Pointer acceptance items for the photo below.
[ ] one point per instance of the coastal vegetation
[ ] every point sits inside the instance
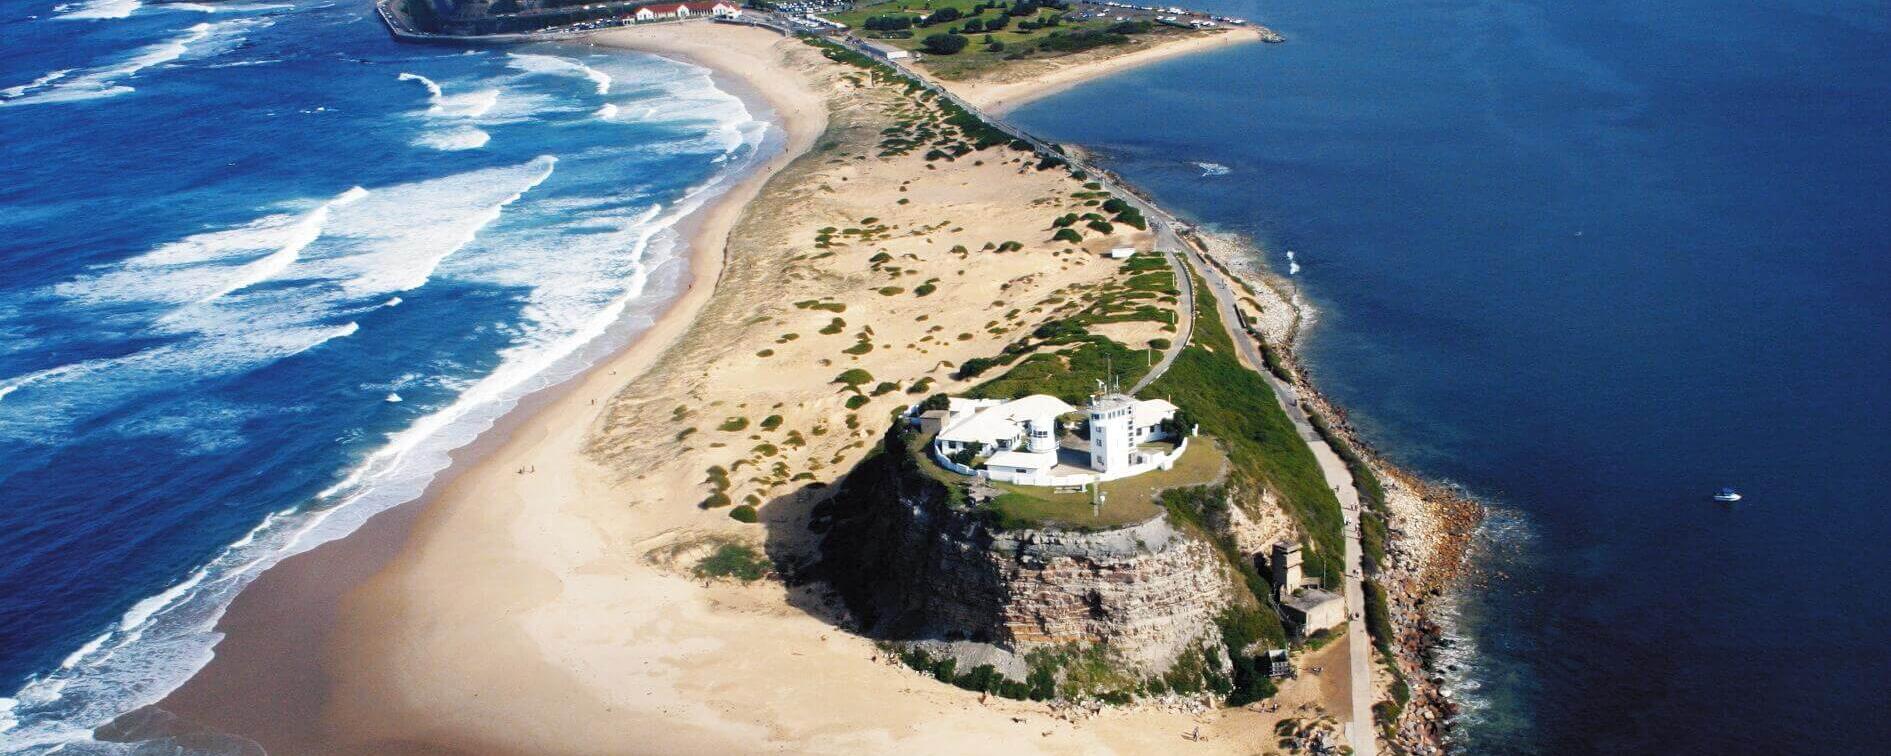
(1005, 31)
(1236, 405)
(731, 560)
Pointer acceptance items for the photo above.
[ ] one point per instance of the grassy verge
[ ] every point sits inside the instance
(1237, 405)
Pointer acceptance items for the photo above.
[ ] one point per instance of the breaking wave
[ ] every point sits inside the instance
(559, 66)
(93, 10)
(104, 81)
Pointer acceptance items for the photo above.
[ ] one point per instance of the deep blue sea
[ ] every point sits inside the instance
(260, 269)
(1592, 261)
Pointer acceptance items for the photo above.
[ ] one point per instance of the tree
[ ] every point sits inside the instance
(941, 16)
(889, 23)
(945, 44)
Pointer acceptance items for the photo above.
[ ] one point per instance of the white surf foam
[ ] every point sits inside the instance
(607, 111)
(457, 109)
(225, 7)
(454, 139)
(433, 89)
(104, 81)
(228, 301)
(1213, 169)
(559, 66)
(93, 10)
(392, 239)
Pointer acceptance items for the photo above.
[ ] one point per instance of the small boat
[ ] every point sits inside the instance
(1727, 495)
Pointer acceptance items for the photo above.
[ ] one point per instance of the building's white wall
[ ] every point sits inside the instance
(1023, 478)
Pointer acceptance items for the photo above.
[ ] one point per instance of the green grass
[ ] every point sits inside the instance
(1126, 501)
(1062, 358)
(1237, 406)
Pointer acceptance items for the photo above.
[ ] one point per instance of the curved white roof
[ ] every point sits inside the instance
(1005, 421)
(1151, 411)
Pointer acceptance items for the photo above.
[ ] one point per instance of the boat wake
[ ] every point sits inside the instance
(1213, 169)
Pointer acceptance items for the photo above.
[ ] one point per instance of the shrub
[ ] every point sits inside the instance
(733, 560)
(945, 44)
(856, 402)
(714, 500)
(935, 402)
(744, 513)
(973, 367)
(733, 424)
(1068, 235)
(1102, 227)
(835, 326)
(854, 377)
(771, 422)
(924, 289)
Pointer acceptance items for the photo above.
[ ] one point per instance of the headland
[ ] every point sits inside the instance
(645, 560)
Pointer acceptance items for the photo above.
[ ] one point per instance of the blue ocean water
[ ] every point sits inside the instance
(1592, 261)
(261, 268)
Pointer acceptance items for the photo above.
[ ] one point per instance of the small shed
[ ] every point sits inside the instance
(1313, 610)
(1278, 663)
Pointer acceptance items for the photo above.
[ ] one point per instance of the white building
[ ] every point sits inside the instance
(887, 51)
(688, 10)
(1021, 438)
(1120, 253)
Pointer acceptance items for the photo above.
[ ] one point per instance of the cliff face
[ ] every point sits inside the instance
(914, 566)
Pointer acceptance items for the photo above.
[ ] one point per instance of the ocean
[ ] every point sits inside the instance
(1590, 261)
(261, 268)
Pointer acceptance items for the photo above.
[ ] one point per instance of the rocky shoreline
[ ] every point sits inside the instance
(1430, 526)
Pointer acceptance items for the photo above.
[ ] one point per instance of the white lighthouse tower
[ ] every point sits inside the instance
(1037, 435)
(1110, 438)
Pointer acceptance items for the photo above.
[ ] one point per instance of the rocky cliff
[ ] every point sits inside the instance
(915, 562)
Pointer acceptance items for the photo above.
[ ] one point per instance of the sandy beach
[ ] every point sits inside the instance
(1035, 80)
(539, 599)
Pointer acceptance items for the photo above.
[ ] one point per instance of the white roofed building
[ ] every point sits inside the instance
(1020, 441)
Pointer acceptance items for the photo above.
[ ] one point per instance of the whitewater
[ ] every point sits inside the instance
(244, 344)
